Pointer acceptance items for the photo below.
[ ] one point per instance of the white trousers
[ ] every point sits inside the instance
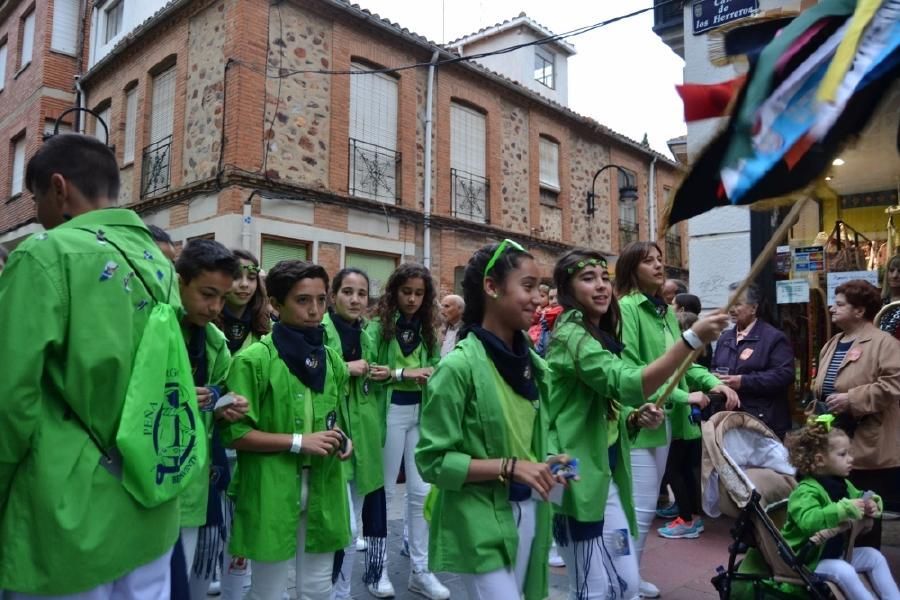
(846, 575)
(151, 581)
(508, 582)
(607, 567)
(345, 579)
(270, 579)
(400, 445)
(648, 466)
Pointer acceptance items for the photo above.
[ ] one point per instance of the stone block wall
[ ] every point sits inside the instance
(515, 202)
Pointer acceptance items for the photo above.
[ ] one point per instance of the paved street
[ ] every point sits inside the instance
(682, 569)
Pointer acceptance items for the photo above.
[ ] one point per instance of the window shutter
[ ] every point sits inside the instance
(467, 140)
(50, 127)
(130, 124)
(373, 108)
(275, 250)
(99, 132)
(2, 65)
(18, 167)
(27, 40)
(162, 119)
(377, 266)
(549, 164)
(65, 26)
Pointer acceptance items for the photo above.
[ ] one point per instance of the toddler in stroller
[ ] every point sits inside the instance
(748, 475)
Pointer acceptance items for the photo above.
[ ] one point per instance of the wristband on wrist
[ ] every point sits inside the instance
(296, 443)
(691, 338)
(398, 374)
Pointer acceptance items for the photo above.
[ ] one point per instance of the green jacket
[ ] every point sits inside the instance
(387, 352)
(644, 334)
(472, 524)
(195, 497)
(584, 377)
(364, 420)
(268, 499)
(70, 325)
(811, 510)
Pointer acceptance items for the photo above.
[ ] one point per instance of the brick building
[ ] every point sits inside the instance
(225, 125)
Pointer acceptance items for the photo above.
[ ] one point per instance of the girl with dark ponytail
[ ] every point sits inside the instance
(483, 436)
(589, 420)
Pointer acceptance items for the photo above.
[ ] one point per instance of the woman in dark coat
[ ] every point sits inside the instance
(760, 363)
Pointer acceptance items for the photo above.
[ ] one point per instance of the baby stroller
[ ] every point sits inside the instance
(747, 476)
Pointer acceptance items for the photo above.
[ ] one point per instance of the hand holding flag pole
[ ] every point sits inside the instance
(758, 265)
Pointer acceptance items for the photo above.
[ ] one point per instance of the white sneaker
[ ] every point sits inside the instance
(383, 588)
(426, 584)
(648, 590)
(361, 544)
(555, 560)
(215, 588)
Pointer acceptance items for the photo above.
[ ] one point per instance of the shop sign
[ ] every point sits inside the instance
(709, 14)
(836, 279)
(792, 291)
(809, 259)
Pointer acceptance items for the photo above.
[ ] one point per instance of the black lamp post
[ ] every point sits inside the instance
(627, 192)
(77, 109)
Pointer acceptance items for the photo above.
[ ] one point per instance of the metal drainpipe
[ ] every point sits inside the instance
(428, 126)
(651, 199)
(246, 219)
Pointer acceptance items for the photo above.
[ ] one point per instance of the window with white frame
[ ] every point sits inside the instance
(543, 67)
(131, 100)
(468, 185)
(549, 175)
(27, 38)
(112, 20)
(3, 64)
(155, 171)
(64, 37)
(18, 166)
(50, 127)
(99, 132)
(374, 159)
(629, 227)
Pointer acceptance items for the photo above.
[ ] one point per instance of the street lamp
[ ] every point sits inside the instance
(627, 192)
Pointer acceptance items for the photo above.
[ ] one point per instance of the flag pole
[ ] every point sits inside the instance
(758, 265)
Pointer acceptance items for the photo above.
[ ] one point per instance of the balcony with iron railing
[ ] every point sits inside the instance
(470, 196)
(629, 231)
(668, 24)
(374, 172)
(673, 250)
(156, 167)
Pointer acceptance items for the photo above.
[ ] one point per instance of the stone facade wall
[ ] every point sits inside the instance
(298, 106)
(205, 93)
(592, 232)
(551, 225)
(515, 203)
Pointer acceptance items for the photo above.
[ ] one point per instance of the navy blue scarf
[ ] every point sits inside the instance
(659, 304)
(350, 334)
(514, 365)
(236, 328)
(408, 333)
(303, 350)
(836, 487)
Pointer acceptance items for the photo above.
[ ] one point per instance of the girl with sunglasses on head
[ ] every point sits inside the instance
(649, 328)
(406, 350)
(484, 436)
(589, 420)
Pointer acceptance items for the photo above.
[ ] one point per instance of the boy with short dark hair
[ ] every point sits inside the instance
(206, 271)
(164, 241)
(291, 504)
(72, 314)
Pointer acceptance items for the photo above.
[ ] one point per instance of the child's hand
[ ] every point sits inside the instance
(561, 459)
(321, 443)
(235, 411)
(379, 372)
(204, 397)
(871, 508)
(649, 416)
(862, 505)
(358, 368)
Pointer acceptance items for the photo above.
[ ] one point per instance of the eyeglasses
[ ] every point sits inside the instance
(584, 263)
(507, 243)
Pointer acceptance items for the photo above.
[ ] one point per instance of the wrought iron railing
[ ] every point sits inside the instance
(628, 232)
(373, 171)
(156, 167)
(673, 250)
(470, 195)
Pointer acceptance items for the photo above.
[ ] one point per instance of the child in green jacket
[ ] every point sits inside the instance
(406, 351)
(291, 504)
(824, 499)
(483, 442)
(71, 320)
(588, 420)
(344, 326)
(206, 272)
